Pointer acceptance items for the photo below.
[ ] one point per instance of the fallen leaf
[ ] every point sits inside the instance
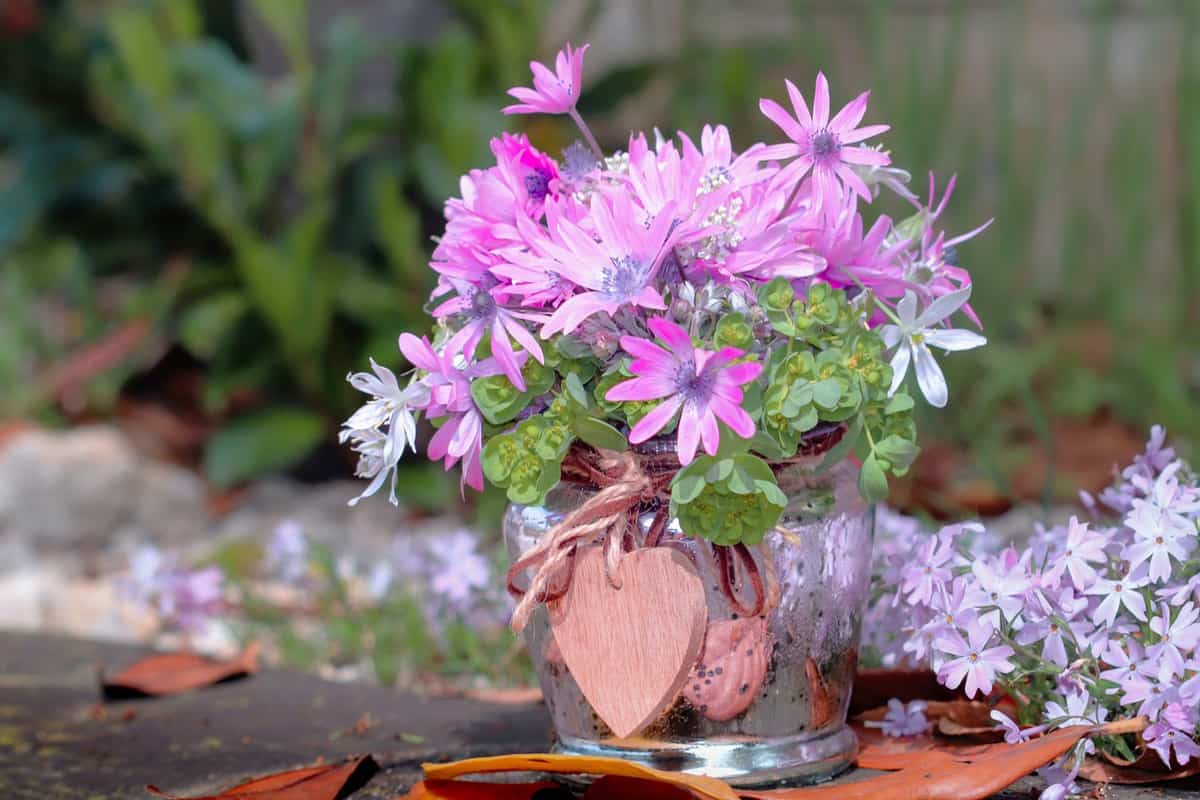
(959, 717)
(1149, 768)
(962, 774)
(874, 687)
(81, 367)
(514, 696)
(564, 764)
(478, 790)
(321, 782)
(172, 673)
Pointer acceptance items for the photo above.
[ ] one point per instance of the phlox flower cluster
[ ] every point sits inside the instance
(183, 598)
(664, 284)
(1092, 620)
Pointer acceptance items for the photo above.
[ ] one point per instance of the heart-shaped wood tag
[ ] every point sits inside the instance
(630, 649)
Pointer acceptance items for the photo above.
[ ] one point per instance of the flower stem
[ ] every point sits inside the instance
(587, 133)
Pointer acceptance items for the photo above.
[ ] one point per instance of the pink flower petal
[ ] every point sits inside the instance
(710, 433)
(732, 415)
(850, 137)
(655, 421)
(820, 106)
(850, 115)
(774, 112)
(419, 352)
(675, 337)
(689, 433)
(801, 108)
(637, 389)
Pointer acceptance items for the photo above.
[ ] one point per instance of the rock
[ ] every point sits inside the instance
(79, 490)
(365, 531)
(66, 489)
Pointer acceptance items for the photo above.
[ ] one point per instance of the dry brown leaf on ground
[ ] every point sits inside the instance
(959, 717)
(874, 687)
(322, 782)
(512, 696)
(1149, 768)
(478, 790)
(961, 774)
(580, 765)
(172, 673)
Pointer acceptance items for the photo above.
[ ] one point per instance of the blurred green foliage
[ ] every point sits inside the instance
(139, 134)
(1098, 328)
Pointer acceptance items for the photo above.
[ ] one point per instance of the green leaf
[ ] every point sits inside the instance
(843, 448)
(686, 488)
(899, 404)
(767, 447)
(898, 451)
(872, 483)
(263, 442)
(498, 399)
(733, 331)
(827, 393)
(288, 22)
(598, 433)
(576, 391)
(206, 325)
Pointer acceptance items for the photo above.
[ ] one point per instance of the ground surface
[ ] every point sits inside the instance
(57, 742)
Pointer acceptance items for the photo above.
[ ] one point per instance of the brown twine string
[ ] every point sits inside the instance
(629, 484)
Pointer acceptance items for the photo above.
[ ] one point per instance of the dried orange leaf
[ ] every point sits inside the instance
(515, 696)
(476, 790)
(1149, 768)
(874, 687)
(564, 764)
(940, 775)
(172, 673)
(322, 782)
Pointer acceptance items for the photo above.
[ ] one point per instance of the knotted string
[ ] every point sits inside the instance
(604, 518)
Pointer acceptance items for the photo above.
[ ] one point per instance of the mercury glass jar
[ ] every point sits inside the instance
(766, 701)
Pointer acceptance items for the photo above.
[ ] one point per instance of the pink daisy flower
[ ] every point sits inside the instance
(706, 385)
(449, 378)
(614, 272)
(821, 144)
(481, 314)
(553, 92)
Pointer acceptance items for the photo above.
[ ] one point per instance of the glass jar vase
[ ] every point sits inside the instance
(766, 701)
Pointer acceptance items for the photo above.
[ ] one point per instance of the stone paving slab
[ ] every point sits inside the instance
(57, 742)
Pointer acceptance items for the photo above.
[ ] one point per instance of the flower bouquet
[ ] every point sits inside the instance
(685, 365)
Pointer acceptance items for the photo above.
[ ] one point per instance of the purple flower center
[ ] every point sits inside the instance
(624, 280)
(692, 387)
(825, 144)
(537, 184)
(483, 306)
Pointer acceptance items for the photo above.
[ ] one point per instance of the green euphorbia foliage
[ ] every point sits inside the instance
(732, 500)
(527, 462)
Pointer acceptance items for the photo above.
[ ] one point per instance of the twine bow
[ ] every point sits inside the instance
(604, 517)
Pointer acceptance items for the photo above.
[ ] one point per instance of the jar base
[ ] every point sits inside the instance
(740, 762)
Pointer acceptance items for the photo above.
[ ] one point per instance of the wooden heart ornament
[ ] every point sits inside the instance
(630, 648)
